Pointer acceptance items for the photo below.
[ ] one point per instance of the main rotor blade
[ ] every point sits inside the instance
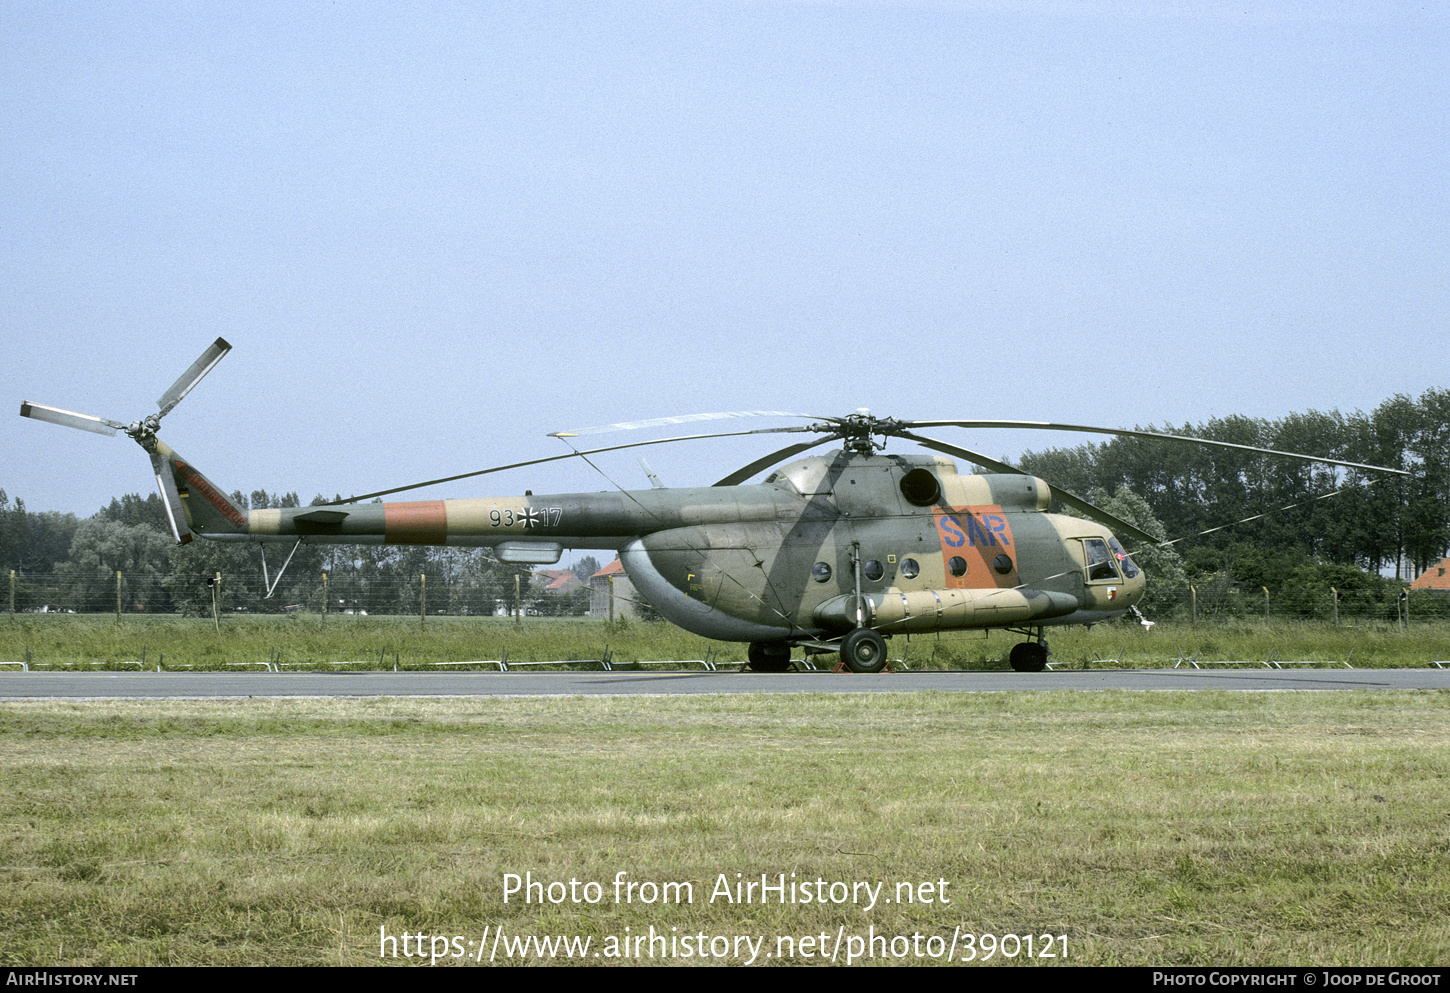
(679, 419)
(742, 474)
(192, 376)
(170, 498)
(1075, 502)
(555, 458)
(70, 418)
(1049, 426)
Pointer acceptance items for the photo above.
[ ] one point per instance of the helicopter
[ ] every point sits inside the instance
(831, 553)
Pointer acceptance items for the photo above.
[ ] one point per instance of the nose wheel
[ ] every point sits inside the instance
(863, 650)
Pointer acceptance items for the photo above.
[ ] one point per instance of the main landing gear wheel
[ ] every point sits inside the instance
(863, 650)
(1028, 657)
(768, 656)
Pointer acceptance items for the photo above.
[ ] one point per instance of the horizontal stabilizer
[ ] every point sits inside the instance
(322, 516)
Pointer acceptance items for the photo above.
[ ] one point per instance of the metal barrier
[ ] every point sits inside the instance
(1194, 661)
(1115, 659)
(1272, 662)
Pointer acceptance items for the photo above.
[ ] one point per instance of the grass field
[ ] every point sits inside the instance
(1123, 828)
(1112, 828)
(303, 640)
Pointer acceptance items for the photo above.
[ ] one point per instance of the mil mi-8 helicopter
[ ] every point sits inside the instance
(832, 553)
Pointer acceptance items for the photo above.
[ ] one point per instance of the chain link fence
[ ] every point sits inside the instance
(195, 594)
(1219, 602)
(199, 595)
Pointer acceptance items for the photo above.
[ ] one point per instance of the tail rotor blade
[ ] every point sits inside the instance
(192, 376)
(171, 498)
(70, 418)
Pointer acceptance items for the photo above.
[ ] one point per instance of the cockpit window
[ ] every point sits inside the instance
(1129, 567)
(1099, 561)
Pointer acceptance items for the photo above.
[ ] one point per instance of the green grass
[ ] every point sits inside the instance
(1148, 828)
(302, 640)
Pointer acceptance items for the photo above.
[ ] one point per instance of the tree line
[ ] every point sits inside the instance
(1237, 518)
(64, 563)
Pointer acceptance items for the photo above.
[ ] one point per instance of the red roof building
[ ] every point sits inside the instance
(1437, 577)
(612, 595)
(557, 580)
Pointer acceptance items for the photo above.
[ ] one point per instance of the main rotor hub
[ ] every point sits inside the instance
(858, 430)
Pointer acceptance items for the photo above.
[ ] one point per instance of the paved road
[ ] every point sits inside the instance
(227, 685)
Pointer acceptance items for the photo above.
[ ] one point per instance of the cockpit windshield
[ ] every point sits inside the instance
(1130, 569)
(1099, 561)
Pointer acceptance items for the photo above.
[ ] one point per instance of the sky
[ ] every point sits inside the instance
(436, 232)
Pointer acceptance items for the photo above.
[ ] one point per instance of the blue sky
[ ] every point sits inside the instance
(436, 232)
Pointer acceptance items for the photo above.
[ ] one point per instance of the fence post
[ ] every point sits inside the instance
(1335, 591)
(216, 602)
(12, 592)
(1266, 603)
(1193, 605)
(118, 596)
(324, 598)
(422, 599)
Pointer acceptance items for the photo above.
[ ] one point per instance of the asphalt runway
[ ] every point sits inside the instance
(241, 685)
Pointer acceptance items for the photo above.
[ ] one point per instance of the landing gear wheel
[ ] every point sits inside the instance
(768, 656)
(863, 650)
(1028, 657)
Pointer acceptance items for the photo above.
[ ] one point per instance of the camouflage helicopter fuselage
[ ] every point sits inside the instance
(833, 552)
(827, 544)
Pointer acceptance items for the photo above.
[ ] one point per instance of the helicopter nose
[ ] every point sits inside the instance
(1135, 587)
